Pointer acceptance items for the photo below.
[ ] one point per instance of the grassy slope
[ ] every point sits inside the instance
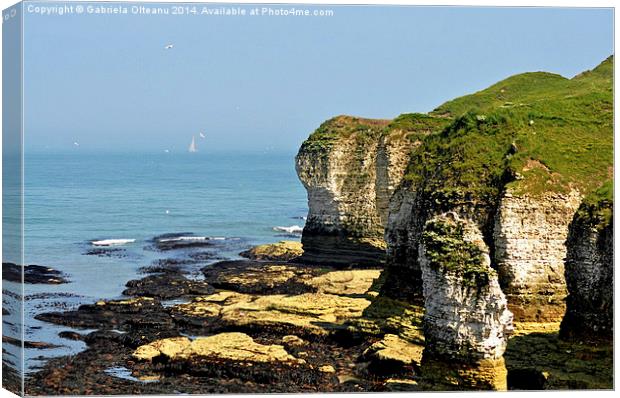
(534, 132)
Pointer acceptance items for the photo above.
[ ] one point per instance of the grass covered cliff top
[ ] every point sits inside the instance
(596, 210)
(342, 126)
(534, 133)
(413, 126)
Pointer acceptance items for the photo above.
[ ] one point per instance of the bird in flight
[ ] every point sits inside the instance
(202, 135)
(75, 143)
(168, 46)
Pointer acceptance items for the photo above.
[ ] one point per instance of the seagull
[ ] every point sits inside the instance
(76, 143)
(202, 135)
(166, 150)
(168, 46)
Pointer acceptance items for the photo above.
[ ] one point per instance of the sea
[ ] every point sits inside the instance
(73, 199)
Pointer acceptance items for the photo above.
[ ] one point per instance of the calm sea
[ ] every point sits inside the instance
(74, 198)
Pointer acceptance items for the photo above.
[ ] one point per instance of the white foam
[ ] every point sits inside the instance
(293, 229)
(112, 242)
(184, 238)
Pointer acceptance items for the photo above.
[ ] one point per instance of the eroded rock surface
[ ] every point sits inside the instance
(308, 313)
(350, 170)
(289, 342)
(227, 346)
(285, 250)
(589, 273)
(529, 239)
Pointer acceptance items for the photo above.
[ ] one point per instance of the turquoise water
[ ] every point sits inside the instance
(74, 198)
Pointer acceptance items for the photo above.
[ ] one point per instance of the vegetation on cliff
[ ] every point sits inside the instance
(446, 249)
(342, 127)
(414, 125)
(534, 133)
(596, 211)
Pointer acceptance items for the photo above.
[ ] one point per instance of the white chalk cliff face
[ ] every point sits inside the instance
(466, 314)
(527, 249)
(350, 180)
(529, 236)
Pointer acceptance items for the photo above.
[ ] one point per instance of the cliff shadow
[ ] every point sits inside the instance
(542, 361)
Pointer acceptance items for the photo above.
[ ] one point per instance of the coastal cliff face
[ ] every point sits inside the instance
(526, 235)
(529, 238)
(518, 171)
(476, 208)
(350, 168)
(589, 272)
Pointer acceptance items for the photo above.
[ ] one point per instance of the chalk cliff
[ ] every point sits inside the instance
(350, 167)
(466, 321)
(513, 162)
(493, 180)
(590, 270)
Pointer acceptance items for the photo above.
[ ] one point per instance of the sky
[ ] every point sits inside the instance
(260, 83)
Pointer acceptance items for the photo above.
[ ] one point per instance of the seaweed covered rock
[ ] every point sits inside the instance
(223, 346)
(303, 314)
(538, 359)
(32, 274)
(393, 355)
(285, 250)
(467, 321)
(256, 277)
(140, 312)
(590, 270)
(345, 282)
(166, 286)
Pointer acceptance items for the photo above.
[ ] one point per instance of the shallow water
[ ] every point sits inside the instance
(73, 199)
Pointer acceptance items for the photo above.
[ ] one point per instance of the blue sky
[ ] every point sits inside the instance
(253, 83)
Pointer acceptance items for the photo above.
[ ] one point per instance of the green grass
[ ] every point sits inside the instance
(417, 125)
(340, 127)
(414, 125)
(534, 133)
(596, 211)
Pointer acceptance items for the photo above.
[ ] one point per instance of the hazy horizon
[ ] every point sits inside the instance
(265, 83)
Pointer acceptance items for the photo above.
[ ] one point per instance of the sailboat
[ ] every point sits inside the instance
(192, 146)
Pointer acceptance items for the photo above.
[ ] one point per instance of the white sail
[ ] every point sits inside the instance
(192, 146)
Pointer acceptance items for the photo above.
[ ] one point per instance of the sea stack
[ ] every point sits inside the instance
(466, 321)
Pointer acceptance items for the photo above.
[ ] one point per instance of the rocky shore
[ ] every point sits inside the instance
(248, 326)
(273, 326)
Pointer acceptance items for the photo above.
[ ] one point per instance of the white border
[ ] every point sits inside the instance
(490, 3)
